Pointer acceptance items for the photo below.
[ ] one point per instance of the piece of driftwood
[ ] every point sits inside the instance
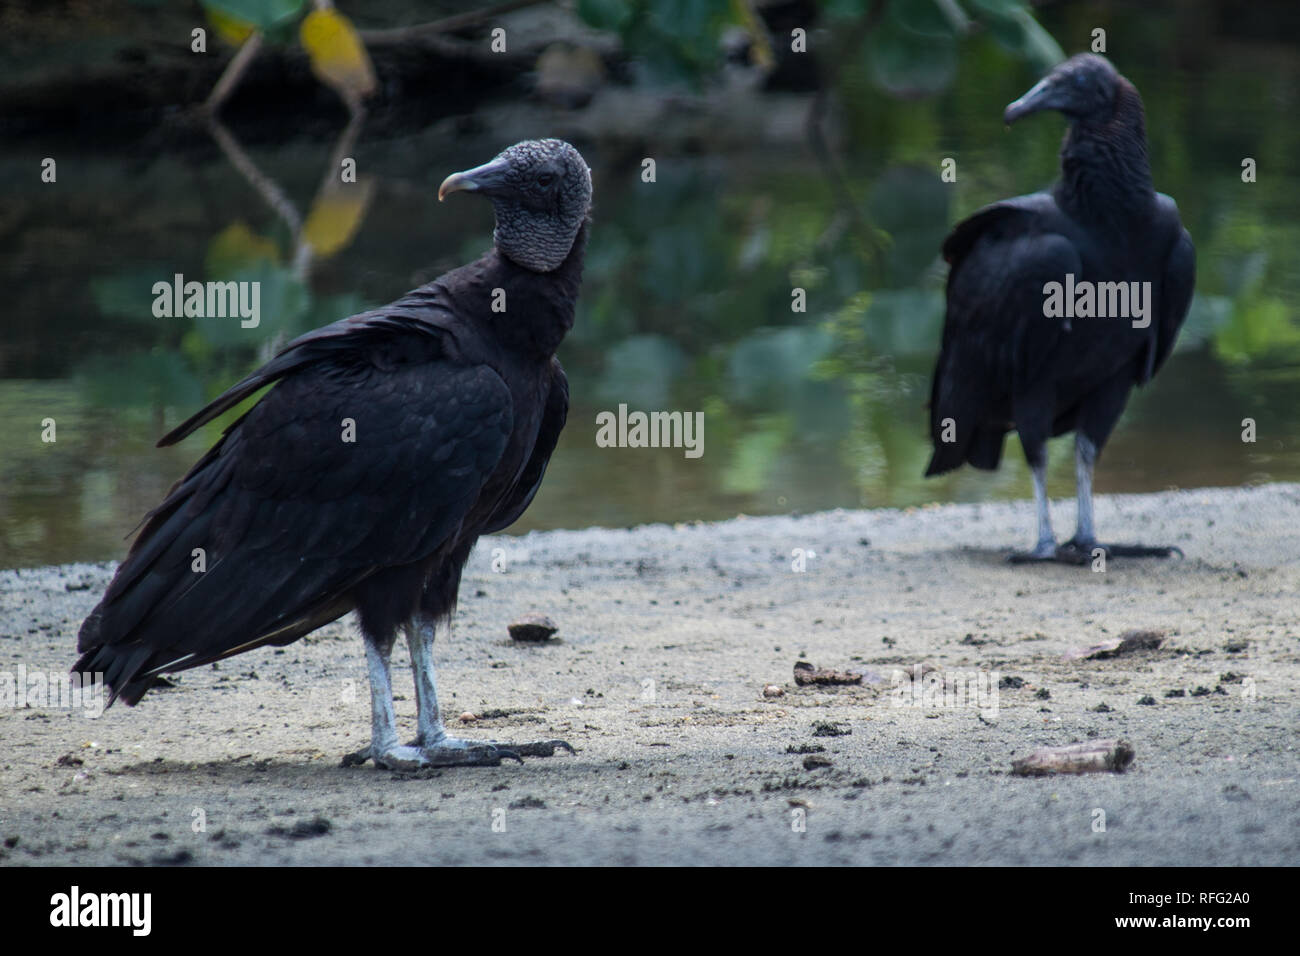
(1126, 643)
(1091, 756)
(805, 672)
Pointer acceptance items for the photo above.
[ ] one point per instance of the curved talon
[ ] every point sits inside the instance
(1041, 554)
(1080, 552)
(487, 754)
(1085, 548)
(1072, 553)
(355, 759)
(539, 748)
(1144, 551)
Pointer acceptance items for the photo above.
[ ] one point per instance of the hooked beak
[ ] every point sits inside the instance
(1044, 95)
(482, 179)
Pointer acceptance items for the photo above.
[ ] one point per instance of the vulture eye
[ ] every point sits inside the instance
(545, 179)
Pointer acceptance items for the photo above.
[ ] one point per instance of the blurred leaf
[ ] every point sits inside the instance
(1257, 328)
(262, 14)
(922, 16)
(605, 14)
(129, 295)
(669, 40)
(1011, 23)
(282, 298)
(760, 44)
(844, 9)
(335, 216)
(230, 29)
(235, 248)
(906, 62)
(338, 57)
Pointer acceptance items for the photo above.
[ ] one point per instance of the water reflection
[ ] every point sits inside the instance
(688, 304)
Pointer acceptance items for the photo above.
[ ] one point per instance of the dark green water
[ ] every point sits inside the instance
(686, 304)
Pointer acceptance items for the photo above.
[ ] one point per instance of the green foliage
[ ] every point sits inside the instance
(1260, 326)
(265, 15)
(128, 294)
(912, 51)
(614, 15)
(1012, 24)
(673, 40)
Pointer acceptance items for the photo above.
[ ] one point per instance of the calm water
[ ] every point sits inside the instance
(686, 304)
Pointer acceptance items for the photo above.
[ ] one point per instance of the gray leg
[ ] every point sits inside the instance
(1085, 458)
(1080, 548)
(1046, 539)
(1045, 549)
(384, 748)
(433, 738)
(433, 747)
(434, 741)
(419, 638)
(383, 720)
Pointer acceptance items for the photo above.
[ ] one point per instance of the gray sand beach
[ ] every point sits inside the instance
(667, 638)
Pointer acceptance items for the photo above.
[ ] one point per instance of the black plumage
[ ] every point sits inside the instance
(1008, 362)
(453, 400)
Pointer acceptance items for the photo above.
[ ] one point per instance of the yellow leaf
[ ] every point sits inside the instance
(231, 29)
(760, 49)
(335, 217)
(237, 247)
(338, 57)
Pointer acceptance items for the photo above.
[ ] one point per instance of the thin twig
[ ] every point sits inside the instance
(266, 187)
(233, 73)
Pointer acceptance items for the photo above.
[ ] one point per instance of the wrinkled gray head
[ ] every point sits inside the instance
(541, 191)
(1083, 88)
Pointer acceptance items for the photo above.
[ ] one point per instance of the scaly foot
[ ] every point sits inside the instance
(1078, 551)
(1045, 550)
(452, 752)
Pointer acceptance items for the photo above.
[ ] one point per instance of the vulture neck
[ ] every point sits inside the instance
(539, 305)
(1105, 172)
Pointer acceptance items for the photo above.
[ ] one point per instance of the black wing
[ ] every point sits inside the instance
(290, 515)
(1176, 284)
(553, 419)
(995, 337)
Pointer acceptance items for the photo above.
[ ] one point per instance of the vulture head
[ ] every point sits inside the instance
(541, 191)
(1083, 88)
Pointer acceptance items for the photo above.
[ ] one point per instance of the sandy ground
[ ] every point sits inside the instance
(667, 637)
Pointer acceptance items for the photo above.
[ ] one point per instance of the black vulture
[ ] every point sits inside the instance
(390, 442)
(1060, 302)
